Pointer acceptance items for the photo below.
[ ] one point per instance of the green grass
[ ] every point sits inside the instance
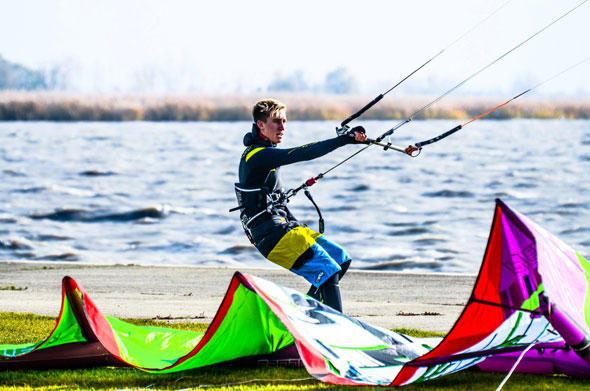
(218, 378)
(18, 328)
(22, 328)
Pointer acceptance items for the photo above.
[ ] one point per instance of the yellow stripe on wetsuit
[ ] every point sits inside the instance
(292, 245)
(252, 152)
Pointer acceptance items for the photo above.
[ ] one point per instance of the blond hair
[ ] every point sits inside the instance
(266, 108)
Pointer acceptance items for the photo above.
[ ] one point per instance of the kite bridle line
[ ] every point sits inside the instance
(412, 149)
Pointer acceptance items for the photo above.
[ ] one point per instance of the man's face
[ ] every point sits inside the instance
(274, 127)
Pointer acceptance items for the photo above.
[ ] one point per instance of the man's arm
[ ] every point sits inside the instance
(270, 158)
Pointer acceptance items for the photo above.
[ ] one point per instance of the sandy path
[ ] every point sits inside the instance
(389, 299)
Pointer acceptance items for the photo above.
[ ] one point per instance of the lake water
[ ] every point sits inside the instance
(159, 193)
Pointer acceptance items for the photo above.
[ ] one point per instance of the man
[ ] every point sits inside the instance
(270, 226)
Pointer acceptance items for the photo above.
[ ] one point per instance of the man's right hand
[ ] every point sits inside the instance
(359, 134)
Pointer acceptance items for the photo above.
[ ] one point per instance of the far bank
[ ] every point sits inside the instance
(63, 106)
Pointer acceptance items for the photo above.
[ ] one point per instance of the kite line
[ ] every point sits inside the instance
(411, 149)
(343, 126)
(418, 146)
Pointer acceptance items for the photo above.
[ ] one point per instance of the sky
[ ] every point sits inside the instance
(241, 46)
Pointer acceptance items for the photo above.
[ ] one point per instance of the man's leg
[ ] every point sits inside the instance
(323, 273)
(315, 293)
(317, 266)
(344, 268)
(328, 293)
(330, 290)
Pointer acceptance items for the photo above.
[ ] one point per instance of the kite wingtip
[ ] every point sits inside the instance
(500, 203)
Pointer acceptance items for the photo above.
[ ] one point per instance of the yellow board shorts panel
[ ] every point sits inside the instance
(292, 245)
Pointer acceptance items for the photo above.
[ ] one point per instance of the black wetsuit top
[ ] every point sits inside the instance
(259, 167)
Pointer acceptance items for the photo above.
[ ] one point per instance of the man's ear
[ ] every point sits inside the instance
(260, 124)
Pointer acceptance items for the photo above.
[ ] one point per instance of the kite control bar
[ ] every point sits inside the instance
(418, 146)
(410, 150)
(345, 131)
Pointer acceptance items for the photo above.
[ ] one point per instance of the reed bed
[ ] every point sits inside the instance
(56, 106)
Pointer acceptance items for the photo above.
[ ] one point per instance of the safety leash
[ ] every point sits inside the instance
(321, 219)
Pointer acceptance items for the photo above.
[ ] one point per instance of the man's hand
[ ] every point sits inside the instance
(356, 135)
(360, 137)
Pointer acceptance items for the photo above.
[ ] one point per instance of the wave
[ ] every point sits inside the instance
(14, 173)
(238, 249)
(450, 194)
(405, 265)
(337, 208)
(93, 173)
(8, 220)
(576, 230)
(409, 223)
(59, 257)
(360, 188)
(81, 215)
(526, 185)
(226, 230)
(429, 241)
(50, 238)
(54, 188)
(410, 231)
(14, 244)
(26, 190)
(573, 205)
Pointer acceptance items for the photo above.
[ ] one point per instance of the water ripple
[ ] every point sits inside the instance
(449, 194)
(81, 215)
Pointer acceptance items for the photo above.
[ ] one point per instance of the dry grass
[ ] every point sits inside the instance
(55, 106)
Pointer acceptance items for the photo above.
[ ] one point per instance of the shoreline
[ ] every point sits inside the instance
(193, 293)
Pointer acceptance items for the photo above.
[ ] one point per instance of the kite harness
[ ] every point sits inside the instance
(255, 202)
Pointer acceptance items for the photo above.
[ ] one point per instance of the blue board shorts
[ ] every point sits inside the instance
(326, 261)
(299, 249)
